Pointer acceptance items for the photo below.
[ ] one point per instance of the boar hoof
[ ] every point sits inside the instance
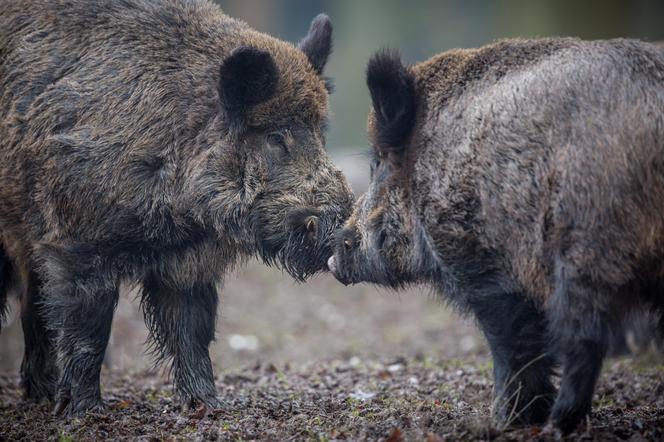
(190, 405)
(61, 405)
(551, 431)
(535, 411)
(65, 406)
(568, 418)
(37, 391)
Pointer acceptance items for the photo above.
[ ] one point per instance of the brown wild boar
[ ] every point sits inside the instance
(525, 181)
(156, 141)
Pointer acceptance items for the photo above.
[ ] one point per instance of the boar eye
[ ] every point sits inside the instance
(278, 140)
(374, 165)
(377, 159)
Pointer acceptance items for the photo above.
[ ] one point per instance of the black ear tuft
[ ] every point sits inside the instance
(392, 89)
(249, 76)
(317, 45)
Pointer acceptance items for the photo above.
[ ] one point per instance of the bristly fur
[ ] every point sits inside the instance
(151, 158)
(5, 283)
(317, 45)
(531, 198)
(248, 77)
(392, 89)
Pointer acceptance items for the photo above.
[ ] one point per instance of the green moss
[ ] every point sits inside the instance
(65, 437)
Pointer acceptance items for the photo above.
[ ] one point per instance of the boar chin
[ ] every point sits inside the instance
(301, 245)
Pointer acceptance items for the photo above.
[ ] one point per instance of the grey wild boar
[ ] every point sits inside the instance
(523, 180)
(160, 142)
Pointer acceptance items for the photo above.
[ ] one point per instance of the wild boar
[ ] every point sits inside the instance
(155, 141)
(524, 180)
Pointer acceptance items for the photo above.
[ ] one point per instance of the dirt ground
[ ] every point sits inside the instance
(401, 399)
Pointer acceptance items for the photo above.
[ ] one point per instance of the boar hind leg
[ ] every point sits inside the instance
(581, 333)
(79, 302)
(5, 282)
(523, 366)
(38, 369)
(181, 324)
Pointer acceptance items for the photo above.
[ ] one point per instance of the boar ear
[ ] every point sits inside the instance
(249, 76)
(392, 89)
(317, 45)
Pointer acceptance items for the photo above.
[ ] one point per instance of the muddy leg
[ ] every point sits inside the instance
(523, 366)
(581, 333)
(83, 328)
(38, 369)
(79, 302)
(659, 325)
(181, 323)
(5, 283)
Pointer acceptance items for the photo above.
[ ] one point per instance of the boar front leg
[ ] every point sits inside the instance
(38, 369)
(517, 335)
(181, 324)
(5, 281)
(79, 301)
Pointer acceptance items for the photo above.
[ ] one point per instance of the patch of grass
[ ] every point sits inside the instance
(605, 401)
(453, 364)
(486, 368)
(65, 437)
(151, 396)
(648, 362)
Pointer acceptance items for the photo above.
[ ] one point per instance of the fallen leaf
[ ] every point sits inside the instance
(124, 404)
(395, 436)
(432, 437)
(199, 413)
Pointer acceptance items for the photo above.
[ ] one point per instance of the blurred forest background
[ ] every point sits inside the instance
(264, 315)
(422, 28)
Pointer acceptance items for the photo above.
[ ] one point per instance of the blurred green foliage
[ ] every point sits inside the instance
(421, 28)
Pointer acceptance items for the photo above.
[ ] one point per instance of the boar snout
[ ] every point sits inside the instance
(339, 263)
(331, 265)
(334, 269)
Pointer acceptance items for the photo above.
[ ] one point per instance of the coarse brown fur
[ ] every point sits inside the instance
(160, 142)
(528, 191)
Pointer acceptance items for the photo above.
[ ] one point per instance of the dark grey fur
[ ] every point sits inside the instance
(121, 161)
(530, 194)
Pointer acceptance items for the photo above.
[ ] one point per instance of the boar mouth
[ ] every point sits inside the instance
(300, 244)
(350, 270)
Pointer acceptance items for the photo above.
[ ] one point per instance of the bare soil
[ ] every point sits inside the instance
(401, 399)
